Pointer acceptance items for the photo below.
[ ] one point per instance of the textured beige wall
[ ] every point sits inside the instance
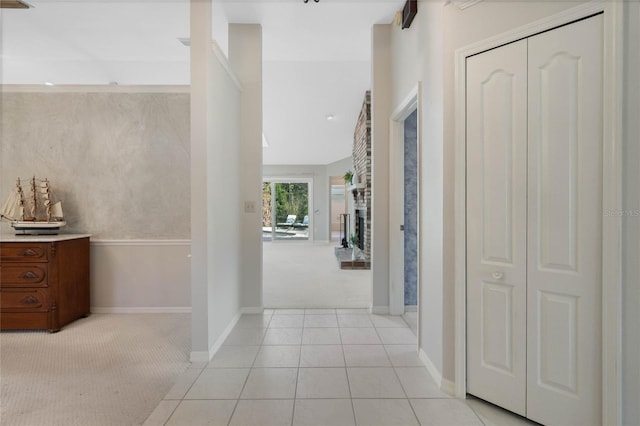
(118, 161)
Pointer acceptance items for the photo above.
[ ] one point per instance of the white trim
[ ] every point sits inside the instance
(222, 60)
(140, 242)
(431, 368)
(410, 103)
(90, 88)
(202, 356)
(379, 310)
(464, 4)
(611, 261)
(253, 310)
(448, 387)
(141, 310)
(411, 308)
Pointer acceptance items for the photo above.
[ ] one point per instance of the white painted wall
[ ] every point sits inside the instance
(215, 182)
(425, 52)
(140, 276)
(380, 114)
(631, 221)
(245, 56)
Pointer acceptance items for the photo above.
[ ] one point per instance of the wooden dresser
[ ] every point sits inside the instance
(44, 281)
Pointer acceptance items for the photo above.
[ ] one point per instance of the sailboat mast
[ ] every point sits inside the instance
(34, 201)
(21, 196)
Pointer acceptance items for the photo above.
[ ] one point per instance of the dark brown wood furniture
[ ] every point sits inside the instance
(44, 281)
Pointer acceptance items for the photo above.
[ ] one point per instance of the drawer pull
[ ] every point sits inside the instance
(29, 252)
(29, 300)
(29, 275)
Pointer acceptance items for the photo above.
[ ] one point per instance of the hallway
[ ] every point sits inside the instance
(317, 367)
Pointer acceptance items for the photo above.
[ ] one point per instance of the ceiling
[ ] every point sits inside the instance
(316, 58)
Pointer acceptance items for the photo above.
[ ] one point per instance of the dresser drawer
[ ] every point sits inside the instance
(23, 275)
(31, 300)
(23, 252)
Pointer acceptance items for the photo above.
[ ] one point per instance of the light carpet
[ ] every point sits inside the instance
(306, 275)
(105, 369)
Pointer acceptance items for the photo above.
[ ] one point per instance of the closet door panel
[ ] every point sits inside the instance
(564, 277)
(496, 226)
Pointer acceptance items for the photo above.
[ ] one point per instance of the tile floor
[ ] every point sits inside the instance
(325, 367)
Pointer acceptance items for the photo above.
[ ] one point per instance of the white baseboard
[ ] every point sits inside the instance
(253, 310)
(380, 310)
(142, 310)
(203, 356)
(448, 387)
(411, 308)
(431, 368)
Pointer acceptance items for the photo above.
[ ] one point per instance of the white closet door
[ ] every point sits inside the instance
(496, 225)
(564, 277)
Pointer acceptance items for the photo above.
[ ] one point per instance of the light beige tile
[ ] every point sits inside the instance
(197, 365)
(418, 383)
(321, 320)
(322, 356)
(271, 383)
(319, 311)
(359, 336)
(491, 415)
(283, 336)
(288, 312)
(322, 383)
(366, 356)
(263, 413)
(386, 321)
(234, 357)
(321, 336)
(161, 413)
(354, 320)
(287, 321)
(183, 384)
(384, 412)
(374, 383)
(323, 412)
(397, 336)
(253, 320)
(218, 383)
(352, 311)
(198, 413)
(444, 412)
(278, 356)
(404, 355)
(245, 336)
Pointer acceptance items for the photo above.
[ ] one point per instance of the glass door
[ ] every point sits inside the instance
(285, 211)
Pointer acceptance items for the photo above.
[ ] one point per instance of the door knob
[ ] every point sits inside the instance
(497, 275)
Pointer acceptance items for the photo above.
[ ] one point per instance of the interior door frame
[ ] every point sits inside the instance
(611, 187)
(411, 103)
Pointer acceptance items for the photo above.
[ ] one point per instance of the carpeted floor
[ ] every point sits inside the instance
(106, 369)
(306, 275)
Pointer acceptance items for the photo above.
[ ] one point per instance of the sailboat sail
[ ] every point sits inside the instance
(45, 212)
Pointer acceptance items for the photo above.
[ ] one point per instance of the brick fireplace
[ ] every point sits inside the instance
(362, 165)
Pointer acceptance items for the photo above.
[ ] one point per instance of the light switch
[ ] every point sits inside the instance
(249, 207)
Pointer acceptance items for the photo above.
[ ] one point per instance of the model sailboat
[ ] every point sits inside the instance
(37, 213)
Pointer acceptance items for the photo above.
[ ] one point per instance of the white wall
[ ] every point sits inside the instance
(245, 56)
(140, 276)
(425, 52)
(631, 222)
(380, 114)
(118, 158)
(215, 181)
